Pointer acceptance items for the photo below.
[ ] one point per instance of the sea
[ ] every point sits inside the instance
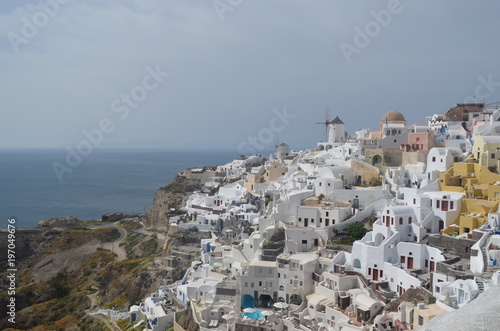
(105, 181)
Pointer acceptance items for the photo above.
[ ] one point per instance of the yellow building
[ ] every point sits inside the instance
(481, 189)
(486, 151)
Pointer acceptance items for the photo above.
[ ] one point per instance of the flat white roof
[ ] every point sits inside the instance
(270, 264)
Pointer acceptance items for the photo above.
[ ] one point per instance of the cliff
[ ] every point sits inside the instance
(169, 200)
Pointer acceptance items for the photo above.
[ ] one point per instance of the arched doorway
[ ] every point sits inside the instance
(265, 300)
(440, 225)
(379, 238)
(376, 159)
(247, 301)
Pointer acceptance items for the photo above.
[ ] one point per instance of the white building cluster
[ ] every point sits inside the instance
(276, 259)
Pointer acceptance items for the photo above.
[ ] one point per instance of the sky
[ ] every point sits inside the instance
(234, 74)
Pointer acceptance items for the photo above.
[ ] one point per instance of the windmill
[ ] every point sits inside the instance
(326, 122)
(275, 146)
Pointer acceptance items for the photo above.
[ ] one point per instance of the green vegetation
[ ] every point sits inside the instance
(78, 238)
(376, 181)
(356, 230)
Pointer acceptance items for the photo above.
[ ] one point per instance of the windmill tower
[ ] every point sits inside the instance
(334, 130)
(279, 149)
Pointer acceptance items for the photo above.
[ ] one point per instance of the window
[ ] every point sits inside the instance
(426, 263)
(369, 271)
(409, 220)
(400, 220)
(403, 259)
(327, 214)
(260, 283)
(320, 220)
(251, 284)
(438, 203)
(433, 159)
(300, 219)
(492, 155)
(420, 320)
(451, 205)
(414, 201)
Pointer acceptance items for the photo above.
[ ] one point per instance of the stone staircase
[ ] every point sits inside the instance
(372, 294)
(485, 253)
(274, 246)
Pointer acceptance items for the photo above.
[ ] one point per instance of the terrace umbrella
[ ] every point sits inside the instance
(267, 313)
(249, 310)
(281, 305)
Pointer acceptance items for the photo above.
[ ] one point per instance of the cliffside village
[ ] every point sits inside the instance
(431, 190)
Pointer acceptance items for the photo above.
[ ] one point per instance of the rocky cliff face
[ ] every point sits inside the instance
(169, 200)
(159, 212)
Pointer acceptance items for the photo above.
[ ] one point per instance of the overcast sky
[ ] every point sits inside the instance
(65, 68)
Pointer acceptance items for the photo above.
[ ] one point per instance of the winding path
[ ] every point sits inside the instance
(114, 246)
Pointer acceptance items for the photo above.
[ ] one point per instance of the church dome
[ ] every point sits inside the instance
(393, 116)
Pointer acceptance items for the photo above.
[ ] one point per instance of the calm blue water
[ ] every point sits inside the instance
(257, 315)
(106, 181)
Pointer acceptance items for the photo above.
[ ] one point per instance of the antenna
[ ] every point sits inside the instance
(326, 122)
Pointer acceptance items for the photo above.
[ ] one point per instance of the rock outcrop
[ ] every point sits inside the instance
(169, 200)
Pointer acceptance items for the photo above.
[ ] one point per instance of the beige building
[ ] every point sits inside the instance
(424, 313)
(486, 151)
(264, 174)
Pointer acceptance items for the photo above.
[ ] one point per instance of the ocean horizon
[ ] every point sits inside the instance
(107, 180)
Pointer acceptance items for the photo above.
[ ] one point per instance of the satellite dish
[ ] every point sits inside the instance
(472, 174)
